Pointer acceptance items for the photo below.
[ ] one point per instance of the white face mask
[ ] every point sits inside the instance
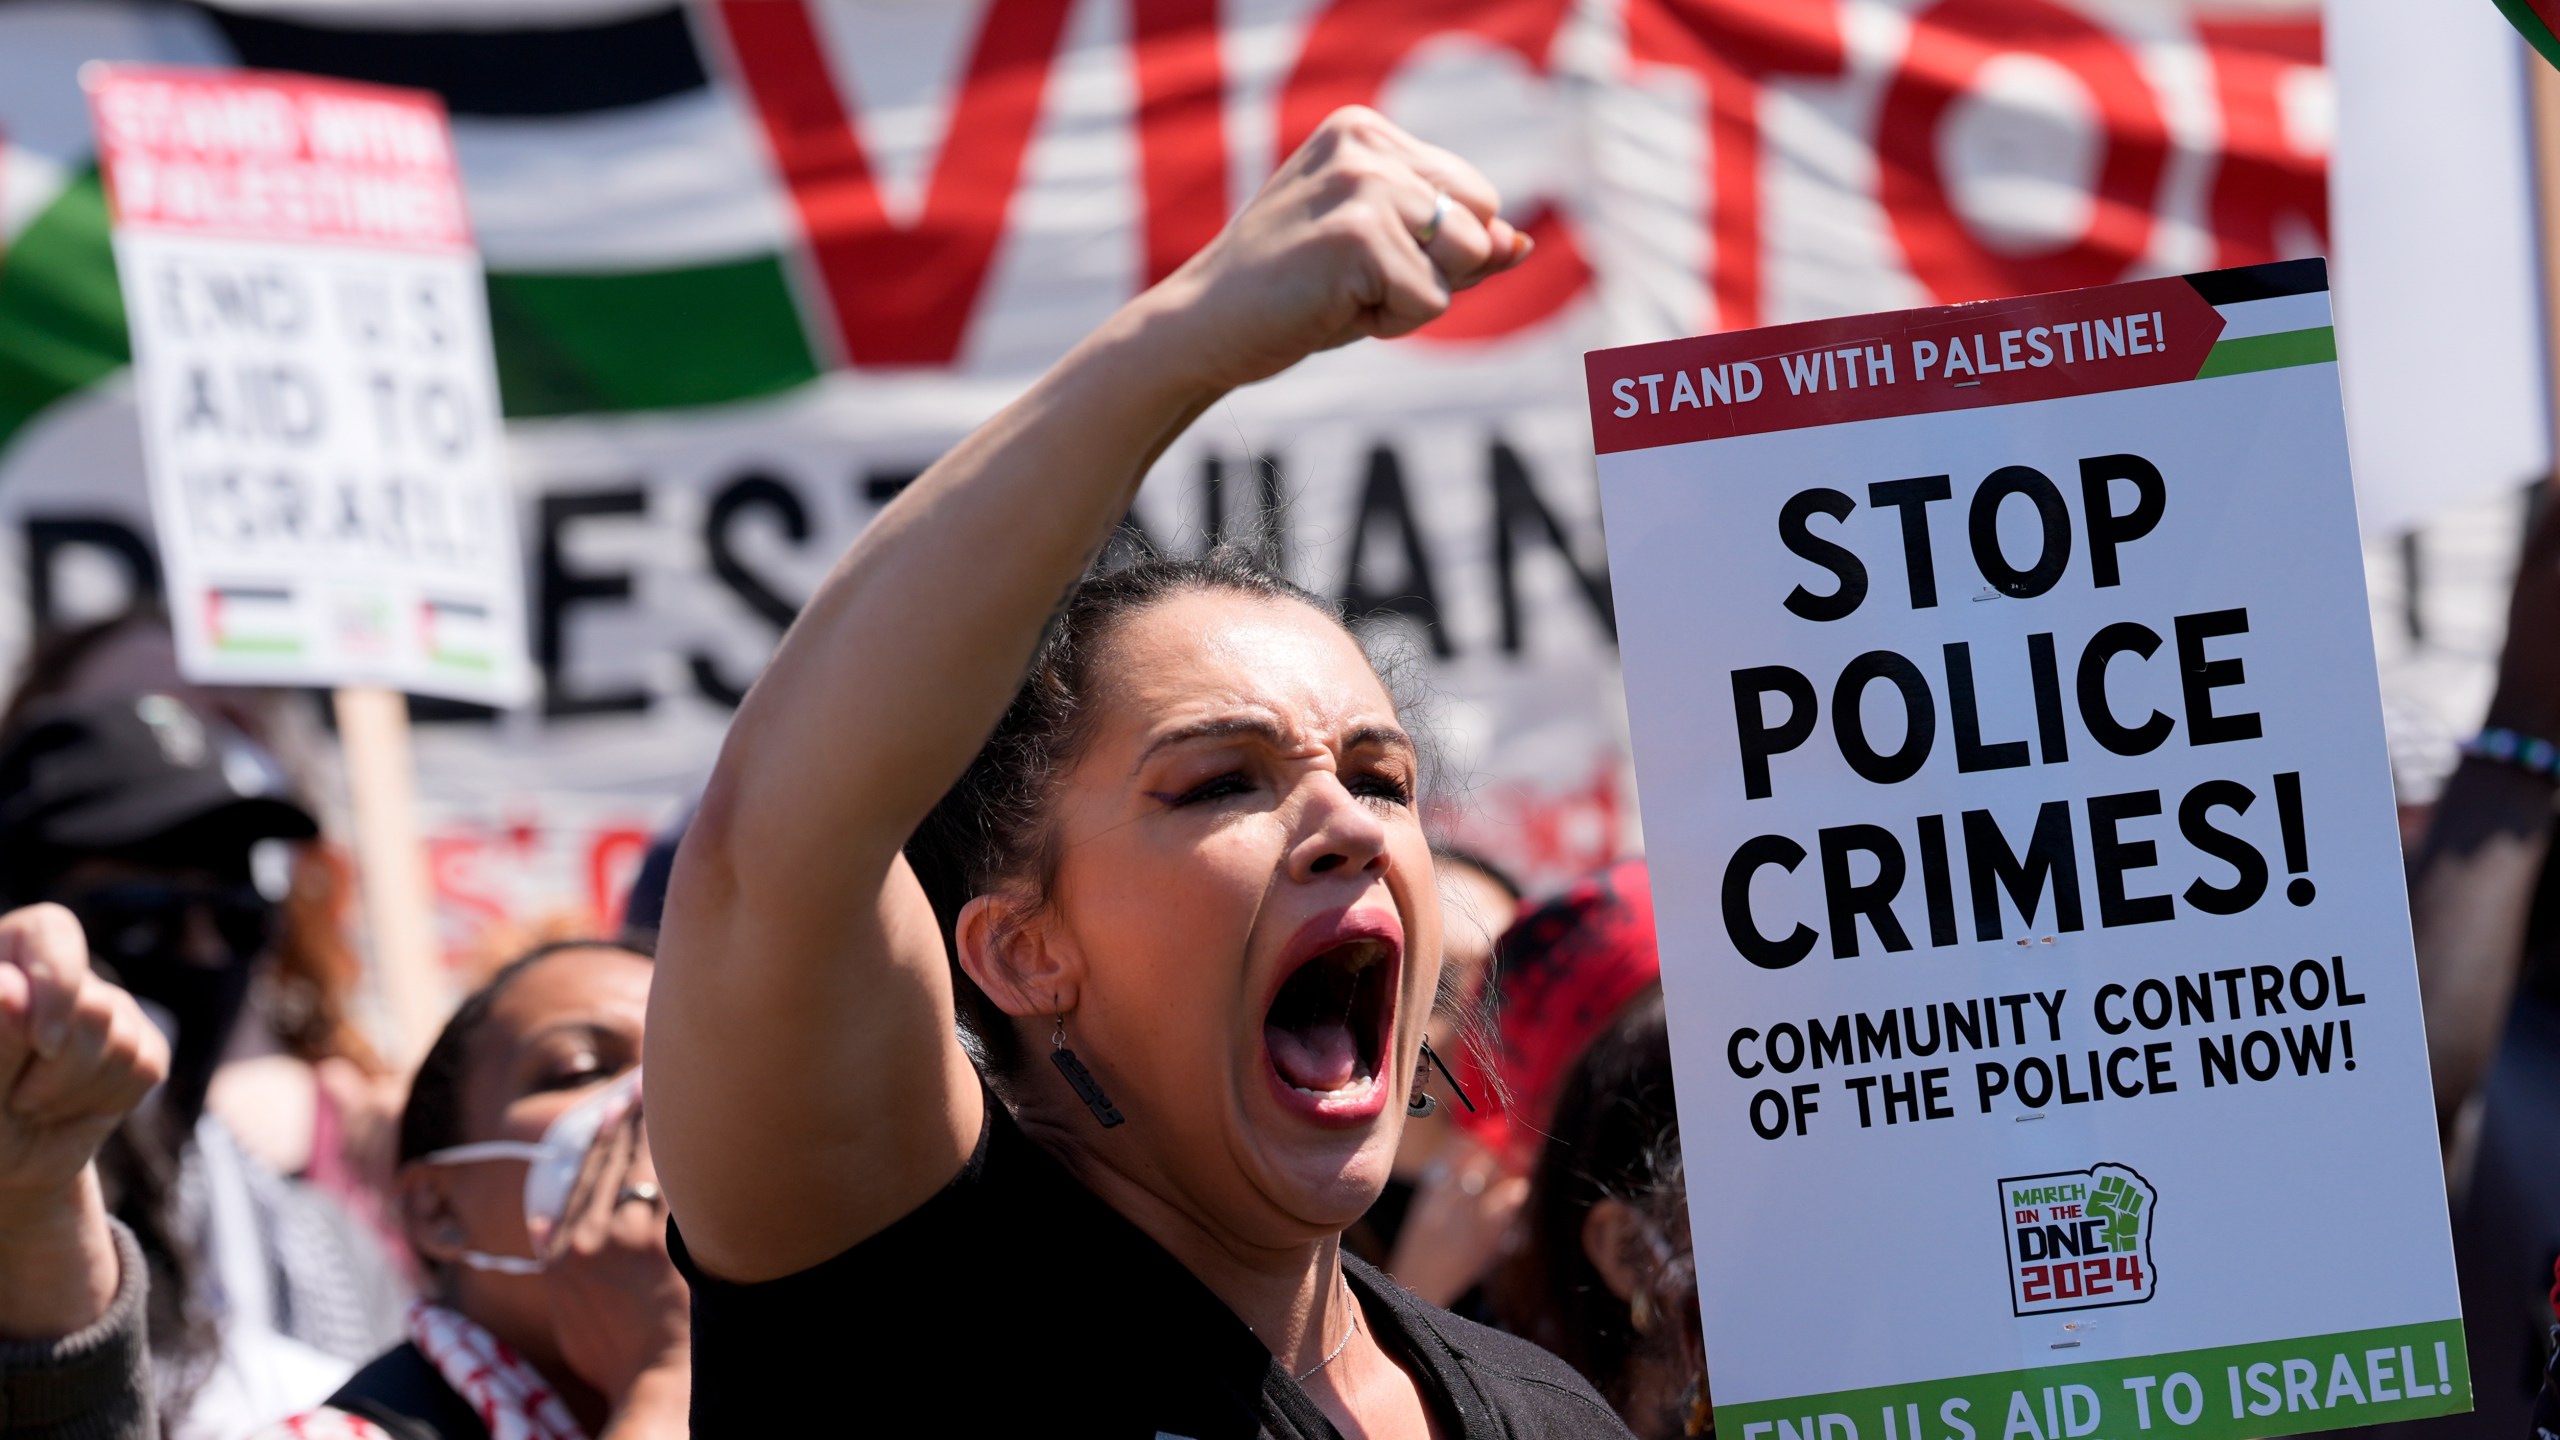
(551, 1170)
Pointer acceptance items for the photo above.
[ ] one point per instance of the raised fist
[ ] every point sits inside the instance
(2115, 1200)
(76, 1055)
(1365, 231)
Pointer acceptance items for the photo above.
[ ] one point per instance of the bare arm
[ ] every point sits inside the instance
(2472, 889)
(809, 1085)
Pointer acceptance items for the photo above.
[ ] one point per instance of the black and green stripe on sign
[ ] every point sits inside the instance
(2285, 348)
(2533, 19)
(2231, 1392)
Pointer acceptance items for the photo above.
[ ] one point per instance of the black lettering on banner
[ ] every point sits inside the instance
(1848, 717)
(1936, 881)
(2120, 638)
(2054, 551)
(1795, 529)
(2051, 861)
(1757, 948)
(2112, 856)
(750, 492)
(2108, 528)
(1383, 501)
(1850, 900)
(1265, 532)
(2045, 672)
(1971, 753)
(2200, 677)
(882, 486)
(2195, 822)
(1912, 497)
(1758, 739)
(1516, 503)
(560, 587)
(49, 536)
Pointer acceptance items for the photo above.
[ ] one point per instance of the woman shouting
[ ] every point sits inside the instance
(1156, 849)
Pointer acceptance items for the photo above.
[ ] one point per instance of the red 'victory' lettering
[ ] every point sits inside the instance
(902, 295)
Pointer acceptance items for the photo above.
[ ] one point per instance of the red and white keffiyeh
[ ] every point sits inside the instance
(508, 1394)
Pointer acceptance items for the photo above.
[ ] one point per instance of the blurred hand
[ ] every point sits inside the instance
(2528, 695)
(1329, 252)
(1459, 1223)
(76, 1055)
(618, 1307)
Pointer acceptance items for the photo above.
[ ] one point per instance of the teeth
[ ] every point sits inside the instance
(1356, 1087)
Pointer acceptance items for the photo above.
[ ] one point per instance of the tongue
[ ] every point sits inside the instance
(1319, 1055)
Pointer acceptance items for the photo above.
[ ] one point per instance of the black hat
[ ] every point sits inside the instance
(128, 773)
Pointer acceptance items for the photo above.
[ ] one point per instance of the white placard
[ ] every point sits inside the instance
(2033, 930)
(318, 404)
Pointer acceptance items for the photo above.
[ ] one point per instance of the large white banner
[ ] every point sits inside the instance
(751, 265)
(2033, 932)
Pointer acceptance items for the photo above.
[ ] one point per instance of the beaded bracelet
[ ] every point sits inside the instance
(2531, 754)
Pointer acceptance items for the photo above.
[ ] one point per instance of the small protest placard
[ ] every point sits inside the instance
(2029, 887)
(312, 368)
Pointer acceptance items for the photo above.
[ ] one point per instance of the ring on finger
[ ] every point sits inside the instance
(1440, 207)
(645, 1191)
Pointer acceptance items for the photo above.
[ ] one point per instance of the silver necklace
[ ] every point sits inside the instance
(1338, 1346)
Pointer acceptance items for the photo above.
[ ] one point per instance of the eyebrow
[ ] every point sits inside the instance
(1270, 733)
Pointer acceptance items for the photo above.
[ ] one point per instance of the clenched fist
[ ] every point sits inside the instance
(76, 1055)
(1364, 231)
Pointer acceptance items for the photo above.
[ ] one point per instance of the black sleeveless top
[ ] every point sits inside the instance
(1016, 1303)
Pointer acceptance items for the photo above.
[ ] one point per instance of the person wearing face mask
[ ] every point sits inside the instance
(141, 816)
(1160, 844)
(527, 1190)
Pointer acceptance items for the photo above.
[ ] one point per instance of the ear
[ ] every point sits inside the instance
(1013, 949)
(1614, 1241)
(427, 1214)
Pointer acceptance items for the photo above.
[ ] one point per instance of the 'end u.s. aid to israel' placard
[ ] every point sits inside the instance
(2033, 925)
(313, 376)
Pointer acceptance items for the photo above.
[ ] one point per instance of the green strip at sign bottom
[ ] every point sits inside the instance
(2234, 1392)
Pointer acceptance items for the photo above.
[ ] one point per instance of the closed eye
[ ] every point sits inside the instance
(1216, 787)
(1381, 785)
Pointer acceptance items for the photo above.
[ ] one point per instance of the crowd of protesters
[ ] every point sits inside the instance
(1144, 1069)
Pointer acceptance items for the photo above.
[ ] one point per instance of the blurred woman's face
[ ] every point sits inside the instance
(568, 1025)
(1244, 887)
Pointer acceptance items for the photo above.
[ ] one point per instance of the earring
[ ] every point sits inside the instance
(1422, 1102)
(1432, 1058)
(1080, 1079)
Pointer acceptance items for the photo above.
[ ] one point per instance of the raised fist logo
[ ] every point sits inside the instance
(2079, 1239)
(2115, 1200)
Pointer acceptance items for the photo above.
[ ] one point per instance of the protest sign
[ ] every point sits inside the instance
(2033, 931)
(318, 405)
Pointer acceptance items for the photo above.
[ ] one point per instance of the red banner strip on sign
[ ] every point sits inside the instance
(270, 156)
(1908, 362)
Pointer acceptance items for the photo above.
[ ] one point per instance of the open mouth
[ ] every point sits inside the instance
(1327, 1027)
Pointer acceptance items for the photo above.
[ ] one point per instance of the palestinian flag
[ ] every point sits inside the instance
(623, 201)
(2539, 20)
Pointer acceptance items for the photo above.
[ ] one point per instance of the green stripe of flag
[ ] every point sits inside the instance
(648, 340)
(61, 317)
(2535, 24)
(2271, 352)
(566, 344)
